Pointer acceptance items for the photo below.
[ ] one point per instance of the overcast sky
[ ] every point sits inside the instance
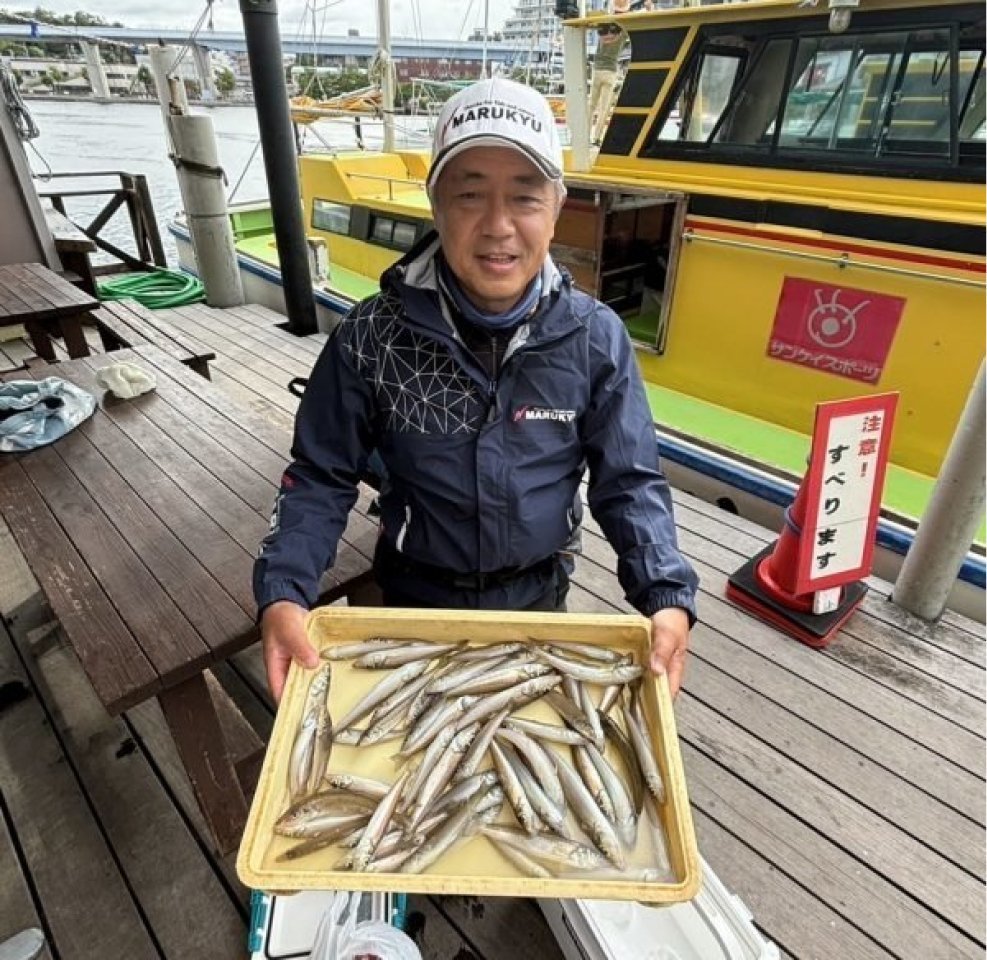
(445, 19)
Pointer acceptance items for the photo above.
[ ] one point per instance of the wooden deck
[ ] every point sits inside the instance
(840, 793)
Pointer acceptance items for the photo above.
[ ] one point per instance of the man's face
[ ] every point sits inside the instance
(495, 213)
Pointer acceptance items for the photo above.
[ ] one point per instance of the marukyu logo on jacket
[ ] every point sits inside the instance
(523, 414)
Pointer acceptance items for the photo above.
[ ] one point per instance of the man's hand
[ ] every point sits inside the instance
(282, 631)
(669, 644)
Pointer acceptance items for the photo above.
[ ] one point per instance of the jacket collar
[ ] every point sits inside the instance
(415, 279)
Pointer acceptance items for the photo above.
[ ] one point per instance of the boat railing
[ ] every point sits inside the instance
(131, 192)
(390, 181)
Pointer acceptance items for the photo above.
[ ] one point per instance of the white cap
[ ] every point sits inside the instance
(497, 113)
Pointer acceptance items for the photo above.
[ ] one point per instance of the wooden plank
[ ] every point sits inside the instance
(168, 640)
(246, 749)
(944, 678)
(243, 328)
(241, 430)
(187, 511)
(501, 927)
(946, 889)
(89, 912)
(966, 633)
(216, 501)
(189, 910)
(121, 673)
(153, 737)
(62, 293)
(789, 914)
(912, 808)
(213, 443)
(18, 911)
(276, 370)
(66, 234)
(117, 331)
(157, 330)
(895, 918)
(916, 720)
(844, 723)
(436, 937)
(192, 719)
(19, 296)
(198, 598)
(216, 329)
(910, 700)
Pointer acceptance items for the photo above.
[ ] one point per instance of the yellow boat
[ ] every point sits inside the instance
(787, 207)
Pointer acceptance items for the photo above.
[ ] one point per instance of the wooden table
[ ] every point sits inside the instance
(141, 526)
(46, 304)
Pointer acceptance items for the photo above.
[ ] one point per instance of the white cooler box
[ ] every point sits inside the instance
(284, 927)
(716, 925)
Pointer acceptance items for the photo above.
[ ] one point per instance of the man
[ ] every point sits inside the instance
(487, 384)
(610, 42)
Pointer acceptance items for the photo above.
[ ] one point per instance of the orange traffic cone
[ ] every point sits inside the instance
(777, 573)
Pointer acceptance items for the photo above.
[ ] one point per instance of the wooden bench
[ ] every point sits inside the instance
(46, 305)
(141, 527)
(73, 248)
(125, 323)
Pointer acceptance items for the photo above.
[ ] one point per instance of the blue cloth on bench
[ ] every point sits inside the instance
(37, 412)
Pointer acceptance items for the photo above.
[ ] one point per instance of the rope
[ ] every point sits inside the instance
(27, 129)
(156, 291)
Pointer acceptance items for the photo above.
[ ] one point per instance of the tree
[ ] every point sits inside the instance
(225, 82)
(146, 79)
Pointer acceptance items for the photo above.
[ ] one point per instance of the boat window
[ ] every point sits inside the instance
(397, 234)
(884, 97)
(971, 97)
(404, 235)
(334, 217)
(750, 116)
(705, 95)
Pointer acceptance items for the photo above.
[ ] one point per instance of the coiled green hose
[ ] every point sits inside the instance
(156, 291)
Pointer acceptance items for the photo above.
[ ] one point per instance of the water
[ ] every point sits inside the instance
(78, 136)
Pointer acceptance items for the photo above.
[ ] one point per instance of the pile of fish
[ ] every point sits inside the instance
(456, 707)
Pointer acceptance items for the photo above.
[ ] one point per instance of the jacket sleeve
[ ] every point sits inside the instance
(628, 493)
(332, 440)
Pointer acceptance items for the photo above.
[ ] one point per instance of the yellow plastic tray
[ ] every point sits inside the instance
(475, 867)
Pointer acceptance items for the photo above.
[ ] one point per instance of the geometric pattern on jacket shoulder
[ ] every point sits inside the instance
(420, 388)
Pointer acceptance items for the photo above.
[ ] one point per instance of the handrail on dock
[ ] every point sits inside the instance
(131, 192)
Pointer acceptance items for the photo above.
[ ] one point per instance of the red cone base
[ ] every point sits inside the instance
(746, 588)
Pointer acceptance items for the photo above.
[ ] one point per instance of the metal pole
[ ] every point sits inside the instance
(576, 105)
(950, 521)
(205, 209)
(260, 27)
(486, 30)
(387, 78)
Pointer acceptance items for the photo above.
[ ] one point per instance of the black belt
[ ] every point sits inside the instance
(396, 562)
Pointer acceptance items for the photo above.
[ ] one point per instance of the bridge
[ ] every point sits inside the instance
(231, 41)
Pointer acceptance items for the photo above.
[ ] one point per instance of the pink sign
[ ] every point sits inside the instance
(837, 330)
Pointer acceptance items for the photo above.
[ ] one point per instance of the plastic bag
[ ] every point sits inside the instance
(37, 412)
(369, 940)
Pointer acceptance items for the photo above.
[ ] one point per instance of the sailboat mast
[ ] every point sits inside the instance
(486, 30)
(387, 71)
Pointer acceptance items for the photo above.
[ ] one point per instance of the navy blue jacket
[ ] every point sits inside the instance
(483, 475)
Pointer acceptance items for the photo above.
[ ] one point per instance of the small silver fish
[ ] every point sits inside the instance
(388, 659)
(554, 851)
(604, 675)
(312, 746)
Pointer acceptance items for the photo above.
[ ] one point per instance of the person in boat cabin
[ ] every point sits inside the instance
(488, 385)
(610, 43)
